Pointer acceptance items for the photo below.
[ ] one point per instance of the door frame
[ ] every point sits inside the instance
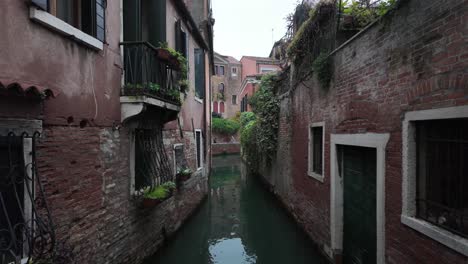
(370, 140)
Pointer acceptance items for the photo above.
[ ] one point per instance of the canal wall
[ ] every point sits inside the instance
(412, 60)
(96, 219)
(225, 148)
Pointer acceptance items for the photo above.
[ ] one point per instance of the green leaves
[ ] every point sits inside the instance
(265, 105)
(323, 67)
(225, 126)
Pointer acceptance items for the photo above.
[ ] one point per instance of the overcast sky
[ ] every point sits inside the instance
(244, 27)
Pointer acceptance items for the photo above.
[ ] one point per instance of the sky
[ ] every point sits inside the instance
(244, 27)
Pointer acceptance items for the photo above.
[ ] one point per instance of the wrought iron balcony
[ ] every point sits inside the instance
(151, 82)
(149, 73)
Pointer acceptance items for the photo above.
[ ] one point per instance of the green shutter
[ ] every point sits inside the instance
(101, 20)
(132, 20)
(200, 73)
(157, 22)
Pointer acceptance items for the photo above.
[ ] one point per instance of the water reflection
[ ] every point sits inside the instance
(240, 223)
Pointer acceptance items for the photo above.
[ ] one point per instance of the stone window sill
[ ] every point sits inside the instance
(316, 176)
(199, 100)
(440, 235)
(64, 28)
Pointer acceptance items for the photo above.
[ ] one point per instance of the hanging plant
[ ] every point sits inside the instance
(323, 67)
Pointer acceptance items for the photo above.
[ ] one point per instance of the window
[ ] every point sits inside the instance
(435, 149)
(234, 71)
(316, 145)
(219, 70)
(221, 88)
(181, 39)
(200, 73)
(265, 70)
(12, 173)
(442, 152)
(151, 165)
(85, 15)
(234, 99)
(199, 142)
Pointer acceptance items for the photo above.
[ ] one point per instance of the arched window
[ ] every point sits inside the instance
(215, 106)
(221, 107)
(221, 88)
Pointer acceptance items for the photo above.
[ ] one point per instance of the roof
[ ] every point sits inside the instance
(232, 60)
(263, 59)
(227, 59)
(25, 88)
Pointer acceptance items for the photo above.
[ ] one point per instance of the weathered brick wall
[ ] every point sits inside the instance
(88, 190)
(413, 59)
(225, 148)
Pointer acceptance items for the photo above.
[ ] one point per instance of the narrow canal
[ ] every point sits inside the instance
(241, 222)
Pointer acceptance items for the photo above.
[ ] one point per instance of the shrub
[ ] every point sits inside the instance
(246, 117)
(225, 126)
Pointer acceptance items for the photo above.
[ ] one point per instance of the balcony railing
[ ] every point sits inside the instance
(146, 74)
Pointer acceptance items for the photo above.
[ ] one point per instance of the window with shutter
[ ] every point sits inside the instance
(85, 15)
(199, 73)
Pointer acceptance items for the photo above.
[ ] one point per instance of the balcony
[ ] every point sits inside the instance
(151, 81)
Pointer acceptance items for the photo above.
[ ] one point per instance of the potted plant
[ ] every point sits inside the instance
(154, 196)
(183, 175)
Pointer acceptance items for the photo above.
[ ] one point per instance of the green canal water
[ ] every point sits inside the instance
(240, 222)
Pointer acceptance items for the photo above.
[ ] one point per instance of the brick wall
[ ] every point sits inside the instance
(413, 59)
(88, 190)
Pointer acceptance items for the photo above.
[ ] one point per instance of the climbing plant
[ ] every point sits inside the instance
(248, 138)
(323, 68)
(265, 105)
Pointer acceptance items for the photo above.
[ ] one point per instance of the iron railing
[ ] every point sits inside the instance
(147, 74)
(26, 229)
(152, 166)
(442, 197)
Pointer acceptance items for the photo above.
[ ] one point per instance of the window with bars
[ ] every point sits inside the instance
(316, 150)
(22, 199)
(152, 166)
(442, 152)
(86, 15)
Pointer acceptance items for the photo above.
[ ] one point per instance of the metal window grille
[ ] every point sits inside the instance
(26, 229)
(442, 151)
(317, 134)
(151, 162)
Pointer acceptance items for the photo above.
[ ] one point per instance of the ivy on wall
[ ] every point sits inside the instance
(259, 136)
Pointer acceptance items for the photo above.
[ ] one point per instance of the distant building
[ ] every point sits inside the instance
(252, 70)
(225, 85)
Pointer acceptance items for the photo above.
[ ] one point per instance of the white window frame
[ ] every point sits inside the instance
(409, 185)
(370, 140)
(62, 27)
(201, 148)
(310, 160)
(234, 102)
(234, 74)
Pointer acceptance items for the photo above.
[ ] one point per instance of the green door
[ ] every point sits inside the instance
(358, 167)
